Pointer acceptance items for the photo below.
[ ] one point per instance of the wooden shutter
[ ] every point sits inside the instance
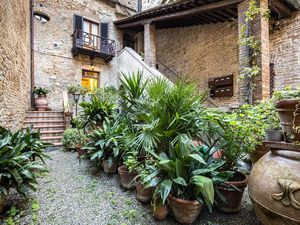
(104, 30)
(77, 22)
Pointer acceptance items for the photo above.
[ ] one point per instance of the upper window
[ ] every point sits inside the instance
(41, 17)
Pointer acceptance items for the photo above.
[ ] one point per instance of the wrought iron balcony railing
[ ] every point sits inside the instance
(93, 45)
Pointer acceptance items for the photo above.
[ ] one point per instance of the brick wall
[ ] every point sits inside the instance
(14, 62)
(55, 66)
(285, 51)
(201, 52)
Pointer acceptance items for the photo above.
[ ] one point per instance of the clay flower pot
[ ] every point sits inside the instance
(260, 151)
(233, 196)
(286, 109)
(274, 186)
(109, 170)
(274, 135)
(142, 194)
(185, 211)
(127, 178)
(80, 151)
(160, 213)
(41, 103)
(3, 199)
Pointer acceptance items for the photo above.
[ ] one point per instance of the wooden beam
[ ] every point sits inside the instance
(282, 10)
(177, 15)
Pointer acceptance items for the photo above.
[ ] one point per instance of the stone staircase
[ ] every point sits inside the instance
(50, 123)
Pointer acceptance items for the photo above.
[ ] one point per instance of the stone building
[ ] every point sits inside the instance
(15, 81)
(58, 63)
(199, 41)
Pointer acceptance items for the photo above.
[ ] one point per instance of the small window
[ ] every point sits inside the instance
(41, 17)
(90, 79)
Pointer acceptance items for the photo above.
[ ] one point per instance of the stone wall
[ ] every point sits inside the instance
(55, 66)
(201, 52)
(285, 52)
(14, 62)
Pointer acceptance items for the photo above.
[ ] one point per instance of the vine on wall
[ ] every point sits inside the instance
(251, 65)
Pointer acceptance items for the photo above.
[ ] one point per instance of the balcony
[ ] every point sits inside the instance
(93, 45)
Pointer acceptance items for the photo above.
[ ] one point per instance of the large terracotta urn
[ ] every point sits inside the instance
(274, 185)
(41, 103)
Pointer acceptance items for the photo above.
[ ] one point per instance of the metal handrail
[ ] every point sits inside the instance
(94, 42)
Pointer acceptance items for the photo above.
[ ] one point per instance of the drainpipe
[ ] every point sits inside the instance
(31, 53)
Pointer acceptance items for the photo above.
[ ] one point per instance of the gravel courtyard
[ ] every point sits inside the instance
(75, 194)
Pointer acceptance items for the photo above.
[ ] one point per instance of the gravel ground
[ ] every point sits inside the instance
(75, 194)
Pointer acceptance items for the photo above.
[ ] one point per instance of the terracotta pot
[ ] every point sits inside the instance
(274, 187)
(260, 151)
(233, 196)
(218, 154)
(127, 178)
(109, 170)
(185, 211)
(3, 199)
(274, 135)
(160, 213)
(286, 109)
(142, 194)
(80, 151)
(41, 103)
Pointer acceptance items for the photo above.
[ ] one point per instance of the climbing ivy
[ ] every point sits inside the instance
(251, 67)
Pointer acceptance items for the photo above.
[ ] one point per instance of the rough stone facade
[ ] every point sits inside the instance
(201, 52)
(14, 62)
(55, 66)
(285, 51)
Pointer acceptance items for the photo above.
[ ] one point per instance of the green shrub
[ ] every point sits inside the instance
(17, 169)
(73, 137)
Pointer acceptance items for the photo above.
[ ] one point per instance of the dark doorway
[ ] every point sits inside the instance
(128, 41)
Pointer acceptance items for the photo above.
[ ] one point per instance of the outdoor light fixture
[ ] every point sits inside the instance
(76, 97)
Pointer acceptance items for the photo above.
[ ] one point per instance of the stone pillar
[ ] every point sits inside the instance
(150, 44)
(260, 30)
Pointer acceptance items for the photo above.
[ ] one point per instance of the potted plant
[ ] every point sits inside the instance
(287, 105)
(73, 138)
(185, 180)
(160, 210)
(260, 120)
(104, 145)
(41, 102)
(235, 140)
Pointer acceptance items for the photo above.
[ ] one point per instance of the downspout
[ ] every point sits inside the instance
(31, 53)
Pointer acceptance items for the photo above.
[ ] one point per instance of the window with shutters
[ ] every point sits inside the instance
(92, 38)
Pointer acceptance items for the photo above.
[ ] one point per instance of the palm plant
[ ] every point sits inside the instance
(96, 110)
(169, 116)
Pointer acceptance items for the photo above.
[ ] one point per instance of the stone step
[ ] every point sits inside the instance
(57, 144)
(48, 127)
(39, 122)
(51, 132)
(44, 113)
(50, 138)
(43, 117)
